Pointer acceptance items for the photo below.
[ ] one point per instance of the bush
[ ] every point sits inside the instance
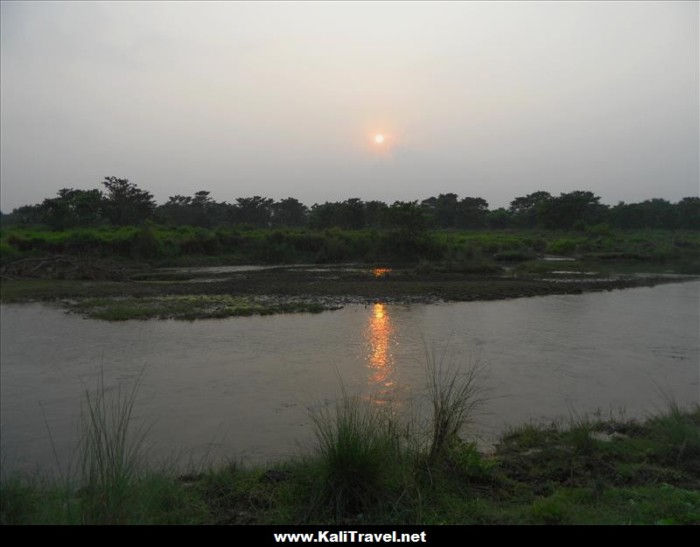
(7, 253)
(466, 460)
(563, 246)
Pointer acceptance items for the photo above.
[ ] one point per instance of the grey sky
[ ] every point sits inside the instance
(282, 99)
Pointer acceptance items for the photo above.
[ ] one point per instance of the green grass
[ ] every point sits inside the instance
(189, 307)
(111, 453)
(677, 436)
(361, 457)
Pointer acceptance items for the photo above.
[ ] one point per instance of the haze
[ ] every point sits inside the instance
(284, 99)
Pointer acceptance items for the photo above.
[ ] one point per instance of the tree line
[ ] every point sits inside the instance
(123, 203)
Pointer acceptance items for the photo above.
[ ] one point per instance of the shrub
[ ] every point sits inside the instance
(563, 246)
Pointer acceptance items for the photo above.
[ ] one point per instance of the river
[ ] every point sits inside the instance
(241, 388)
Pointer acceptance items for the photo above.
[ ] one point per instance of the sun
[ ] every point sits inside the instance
(379, 138)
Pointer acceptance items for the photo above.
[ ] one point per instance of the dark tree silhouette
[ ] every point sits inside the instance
(471, 213)
(571, 210)
(289, 212)
(126, 203)
(73, 208)
(255, 211)
(525, 208)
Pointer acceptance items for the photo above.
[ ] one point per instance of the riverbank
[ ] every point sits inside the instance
(591, 471)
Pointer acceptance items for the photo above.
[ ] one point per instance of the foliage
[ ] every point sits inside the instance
(126, 204)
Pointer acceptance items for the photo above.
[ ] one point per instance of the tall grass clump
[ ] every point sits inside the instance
(455, 393)
(359, 444)
(111, 451)
(678, 434)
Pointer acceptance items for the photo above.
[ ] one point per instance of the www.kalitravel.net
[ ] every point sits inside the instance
(351, 536)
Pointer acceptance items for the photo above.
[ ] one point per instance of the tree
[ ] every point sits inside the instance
(326, 215)
(375, 213)
(255, 211)
(570, 210)
(199, 210)
(289, 212)
(525, 208)
(471, 213)
(499, 218)
(126, 203)
(408, 218)
(24, 215)
(652, 213)
(353, 214)
(73, 208)
(688, 213)
(442, 211)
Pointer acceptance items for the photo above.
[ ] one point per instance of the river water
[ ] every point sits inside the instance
(242, 388)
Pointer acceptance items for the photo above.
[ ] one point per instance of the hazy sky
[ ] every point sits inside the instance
(283, 99)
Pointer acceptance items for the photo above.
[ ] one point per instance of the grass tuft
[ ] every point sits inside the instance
(111, 452)
(677, 433)
(455, 394)
(359, 445)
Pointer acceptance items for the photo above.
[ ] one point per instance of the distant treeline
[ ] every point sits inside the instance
(123, 203)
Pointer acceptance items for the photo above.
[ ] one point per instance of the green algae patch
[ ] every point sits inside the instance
(190, 307)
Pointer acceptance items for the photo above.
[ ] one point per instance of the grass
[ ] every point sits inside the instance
(677, 436)
(454, 395)
(111, 484)
(360, 452)
(111, 453)
(190, 307)
(368, 468)
(186, 244)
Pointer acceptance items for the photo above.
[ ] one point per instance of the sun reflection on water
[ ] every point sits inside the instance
(380, 272)
(381, 363)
